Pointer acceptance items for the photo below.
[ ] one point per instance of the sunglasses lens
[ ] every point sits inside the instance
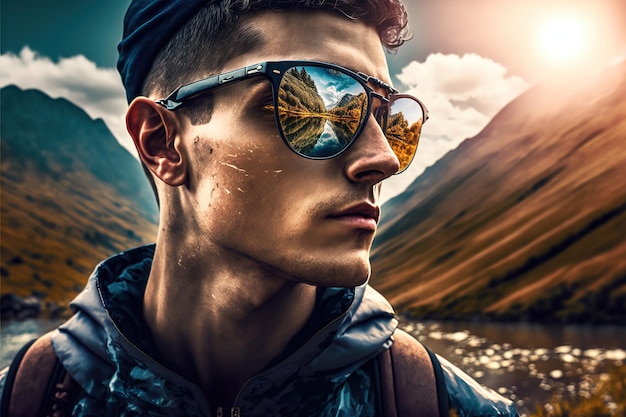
(404, 125)
(320, 110)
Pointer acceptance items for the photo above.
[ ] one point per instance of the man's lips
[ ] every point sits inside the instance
(361, 215)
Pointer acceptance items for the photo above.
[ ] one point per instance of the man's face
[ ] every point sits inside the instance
(308, 220)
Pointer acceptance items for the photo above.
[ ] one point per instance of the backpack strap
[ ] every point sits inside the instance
(37, 384)
(411, 380)
(442, 391)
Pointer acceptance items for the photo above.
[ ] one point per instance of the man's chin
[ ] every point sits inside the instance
(347, 275)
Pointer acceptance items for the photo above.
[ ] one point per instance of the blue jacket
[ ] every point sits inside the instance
(324, 371)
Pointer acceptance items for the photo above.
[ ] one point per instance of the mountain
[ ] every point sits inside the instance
(70, 196)
(525, 221)
(343, 101)
(56, 137)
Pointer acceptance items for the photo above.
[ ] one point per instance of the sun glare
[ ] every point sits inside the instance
(562, 38)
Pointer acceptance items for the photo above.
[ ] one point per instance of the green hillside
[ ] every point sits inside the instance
(70, 196)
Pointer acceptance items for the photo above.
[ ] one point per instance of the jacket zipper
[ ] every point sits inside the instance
(341, 317)
(234, 412)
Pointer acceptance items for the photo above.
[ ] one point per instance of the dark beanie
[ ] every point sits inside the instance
(148, 26)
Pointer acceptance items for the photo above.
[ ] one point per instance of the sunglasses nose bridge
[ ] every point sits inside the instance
(380, 109)
(381, 114)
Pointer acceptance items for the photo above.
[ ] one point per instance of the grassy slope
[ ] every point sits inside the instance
(607, 398)
(55, 231)
(524, 221)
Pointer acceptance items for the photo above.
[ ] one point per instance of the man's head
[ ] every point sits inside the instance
(227, 181)
(169, 43)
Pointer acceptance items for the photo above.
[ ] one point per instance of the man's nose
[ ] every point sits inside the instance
(370, 158)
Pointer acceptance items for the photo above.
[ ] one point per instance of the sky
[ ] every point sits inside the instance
(467, 58)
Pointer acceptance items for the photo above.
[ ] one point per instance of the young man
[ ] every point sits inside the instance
(267, 128)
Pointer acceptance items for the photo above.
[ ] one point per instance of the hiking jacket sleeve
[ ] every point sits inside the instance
(470, 399)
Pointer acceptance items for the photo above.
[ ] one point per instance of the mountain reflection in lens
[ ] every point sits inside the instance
(320, 110)
(404, 125)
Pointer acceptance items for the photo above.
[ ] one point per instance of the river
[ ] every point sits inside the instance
(527, 362)
(16, 333)
(524, 362)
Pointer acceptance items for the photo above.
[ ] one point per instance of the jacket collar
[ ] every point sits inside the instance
(349, 327)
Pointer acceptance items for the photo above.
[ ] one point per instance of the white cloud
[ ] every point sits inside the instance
(331, 96)
(462, 93)
(98, 91)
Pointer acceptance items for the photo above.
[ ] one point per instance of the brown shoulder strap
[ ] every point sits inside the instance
(408, 383)
(40, 384)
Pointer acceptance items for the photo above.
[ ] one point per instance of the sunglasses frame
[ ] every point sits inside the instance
(274, 72)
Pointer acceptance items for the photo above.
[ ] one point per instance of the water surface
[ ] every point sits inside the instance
(523, 362)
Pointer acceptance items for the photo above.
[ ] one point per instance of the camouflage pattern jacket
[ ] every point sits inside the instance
(327, 369)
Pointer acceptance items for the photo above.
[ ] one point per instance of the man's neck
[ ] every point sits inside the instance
(220, 321)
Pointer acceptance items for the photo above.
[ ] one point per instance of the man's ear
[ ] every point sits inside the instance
(154, 130)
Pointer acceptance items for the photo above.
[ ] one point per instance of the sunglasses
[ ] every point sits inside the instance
(320, 109)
